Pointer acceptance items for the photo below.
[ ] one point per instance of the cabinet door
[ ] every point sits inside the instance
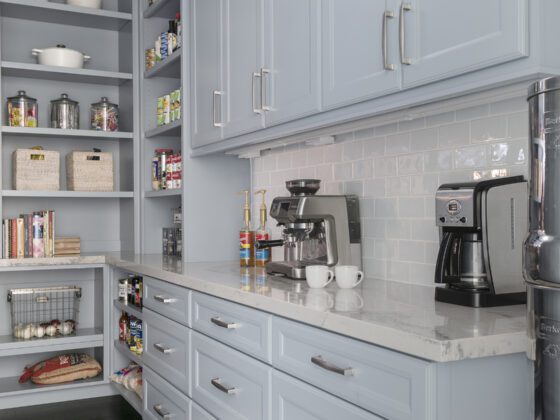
(207, 95)
(292, 77)
(447, 38)
(359, 45)
(243, 59)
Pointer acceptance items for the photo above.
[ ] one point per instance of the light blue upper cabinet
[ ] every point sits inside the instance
(207, 94)
(359, 44)
(292, 76)
(243, 59)
(441, 39)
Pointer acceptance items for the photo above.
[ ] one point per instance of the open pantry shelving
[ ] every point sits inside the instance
(113, 73)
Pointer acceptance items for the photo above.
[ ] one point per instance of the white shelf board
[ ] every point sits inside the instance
(129, 309)
(163, 193)
(63, 14)
(84, 338)
(58, 132)
(168, 130)
(63, 74)
(67, 194)
(130, 397)
(169, 67)
(162, 8)
(125, 351)
(10, 386)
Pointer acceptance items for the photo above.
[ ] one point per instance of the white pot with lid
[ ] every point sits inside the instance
(60, 56)
(94, 4)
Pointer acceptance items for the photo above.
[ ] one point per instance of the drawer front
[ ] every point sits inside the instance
(199, 413)
(167, 349)
(384, 382)
(167, 299)
(244, 328)
(293, 399)
(230, 384)
(161, 399)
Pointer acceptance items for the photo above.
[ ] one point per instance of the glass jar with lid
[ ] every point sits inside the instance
(104, 115)
(22, 110)
(65, 113)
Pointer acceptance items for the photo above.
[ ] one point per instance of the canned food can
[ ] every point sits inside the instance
(123, 290)
(150, 58)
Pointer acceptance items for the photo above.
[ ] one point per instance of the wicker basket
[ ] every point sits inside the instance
(89, 171)
(36, 170)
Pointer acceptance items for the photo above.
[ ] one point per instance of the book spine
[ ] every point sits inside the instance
(25, 236)
(13, 244)
(46, 232)
(38, 240)
(52, 238)
(20, 238)
(4, 238)
(30, 235)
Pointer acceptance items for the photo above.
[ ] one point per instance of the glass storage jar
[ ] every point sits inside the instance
(65, 113)
(104, 116)
(22, 110)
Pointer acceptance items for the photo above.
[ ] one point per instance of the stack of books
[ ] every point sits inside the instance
(29, 235)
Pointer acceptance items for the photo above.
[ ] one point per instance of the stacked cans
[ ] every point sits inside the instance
(166, 170)
(168, 108)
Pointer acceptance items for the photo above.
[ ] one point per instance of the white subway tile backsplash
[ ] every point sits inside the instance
(488, 129)
(395, 170)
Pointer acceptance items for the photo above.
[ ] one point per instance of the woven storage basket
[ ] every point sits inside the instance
(35, 170)
(86, 174)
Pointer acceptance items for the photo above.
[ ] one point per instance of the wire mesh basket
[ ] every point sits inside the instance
(44, 311)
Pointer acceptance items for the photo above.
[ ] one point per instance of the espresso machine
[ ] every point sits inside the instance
(482, 229)
(317, 230)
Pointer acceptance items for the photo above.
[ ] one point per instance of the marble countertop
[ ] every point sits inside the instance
(398, 316)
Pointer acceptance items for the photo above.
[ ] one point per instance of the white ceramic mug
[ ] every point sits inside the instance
(318, 276)
(347, 300)
(348, 276)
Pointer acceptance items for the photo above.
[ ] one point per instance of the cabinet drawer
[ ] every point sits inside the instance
(384, 382)
(166, 349)
(244, 328)
(167, 299)
(161, 398)
(199, 413)
(229, 383)
(293, 399)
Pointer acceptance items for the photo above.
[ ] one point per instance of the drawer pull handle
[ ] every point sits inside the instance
(220, 323)
(163, 413)
(164, 299)
(226, 390)
(163, 349)
(319, 361)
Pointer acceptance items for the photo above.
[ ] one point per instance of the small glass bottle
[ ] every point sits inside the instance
(123, 327)
(262, 255)
(246, 236)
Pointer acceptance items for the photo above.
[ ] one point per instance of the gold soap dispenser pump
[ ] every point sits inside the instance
(262, 255)
(246, 235)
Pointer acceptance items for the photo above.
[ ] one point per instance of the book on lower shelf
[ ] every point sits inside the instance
(29, 235)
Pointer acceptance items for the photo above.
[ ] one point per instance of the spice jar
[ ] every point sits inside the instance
(65, 113)
(22, 110)
(104, 116)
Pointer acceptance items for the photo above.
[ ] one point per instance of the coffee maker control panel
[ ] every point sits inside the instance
(455, 207)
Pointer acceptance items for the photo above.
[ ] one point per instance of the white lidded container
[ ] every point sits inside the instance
(94, 4)
(60, 56)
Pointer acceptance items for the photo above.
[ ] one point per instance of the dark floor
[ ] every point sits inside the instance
(106, 408)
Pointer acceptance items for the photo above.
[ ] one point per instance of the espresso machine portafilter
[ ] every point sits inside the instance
(317, 229)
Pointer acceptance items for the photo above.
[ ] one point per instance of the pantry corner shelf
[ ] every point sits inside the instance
(9, 386)
(125, 351)
(162, 8)
(130, 397)
(84, 338)
(129, 309)
(169, 67)
(163, 193)
(64, 74)
(169, 130)
(64, 14)
(67, 194)
(58, 132)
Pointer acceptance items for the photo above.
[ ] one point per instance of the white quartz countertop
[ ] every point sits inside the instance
(398, 316)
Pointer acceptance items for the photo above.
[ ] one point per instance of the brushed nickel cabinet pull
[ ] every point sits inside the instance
(216, 94)
(163, 299)
(264, 90)
(319, 361)
(162, 412)
(387, 14)
(225, 389)
(221, 323)
(163, 349)
(405, 7)
(256, 109)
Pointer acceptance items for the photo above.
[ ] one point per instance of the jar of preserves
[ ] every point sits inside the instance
(22, 110)
(104, 116)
